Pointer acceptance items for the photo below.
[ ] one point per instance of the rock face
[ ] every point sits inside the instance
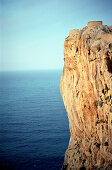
(86, 89)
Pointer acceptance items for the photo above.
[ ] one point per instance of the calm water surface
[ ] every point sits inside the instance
(34, 130)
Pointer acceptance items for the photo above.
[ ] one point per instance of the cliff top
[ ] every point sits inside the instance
(94, 28)
(95, 37)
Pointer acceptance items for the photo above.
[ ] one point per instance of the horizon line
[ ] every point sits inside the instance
(31, 70)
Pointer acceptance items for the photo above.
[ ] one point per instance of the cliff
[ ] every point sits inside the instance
(86, 89)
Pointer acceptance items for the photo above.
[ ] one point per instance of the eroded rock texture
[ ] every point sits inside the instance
(86, 88)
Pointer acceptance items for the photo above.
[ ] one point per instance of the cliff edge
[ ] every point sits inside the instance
(86, 89)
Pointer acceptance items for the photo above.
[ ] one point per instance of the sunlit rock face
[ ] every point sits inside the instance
(86, 89)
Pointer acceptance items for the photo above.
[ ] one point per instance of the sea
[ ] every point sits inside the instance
(34, 128)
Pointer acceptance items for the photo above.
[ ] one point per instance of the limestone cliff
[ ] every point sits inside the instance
(86, 88)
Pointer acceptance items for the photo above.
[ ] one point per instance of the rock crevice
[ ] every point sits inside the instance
(86, 89)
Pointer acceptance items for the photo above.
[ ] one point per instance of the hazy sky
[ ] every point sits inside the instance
(32, 32)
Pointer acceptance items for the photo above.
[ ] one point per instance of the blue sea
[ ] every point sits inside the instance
(34, 128)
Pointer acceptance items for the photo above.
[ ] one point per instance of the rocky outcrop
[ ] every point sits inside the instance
(86, 89)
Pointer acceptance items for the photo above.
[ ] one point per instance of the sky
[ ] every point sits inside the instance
(32, 32)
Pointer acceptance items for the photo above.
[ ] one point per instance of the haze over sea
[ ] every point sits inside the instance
(34, 132)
